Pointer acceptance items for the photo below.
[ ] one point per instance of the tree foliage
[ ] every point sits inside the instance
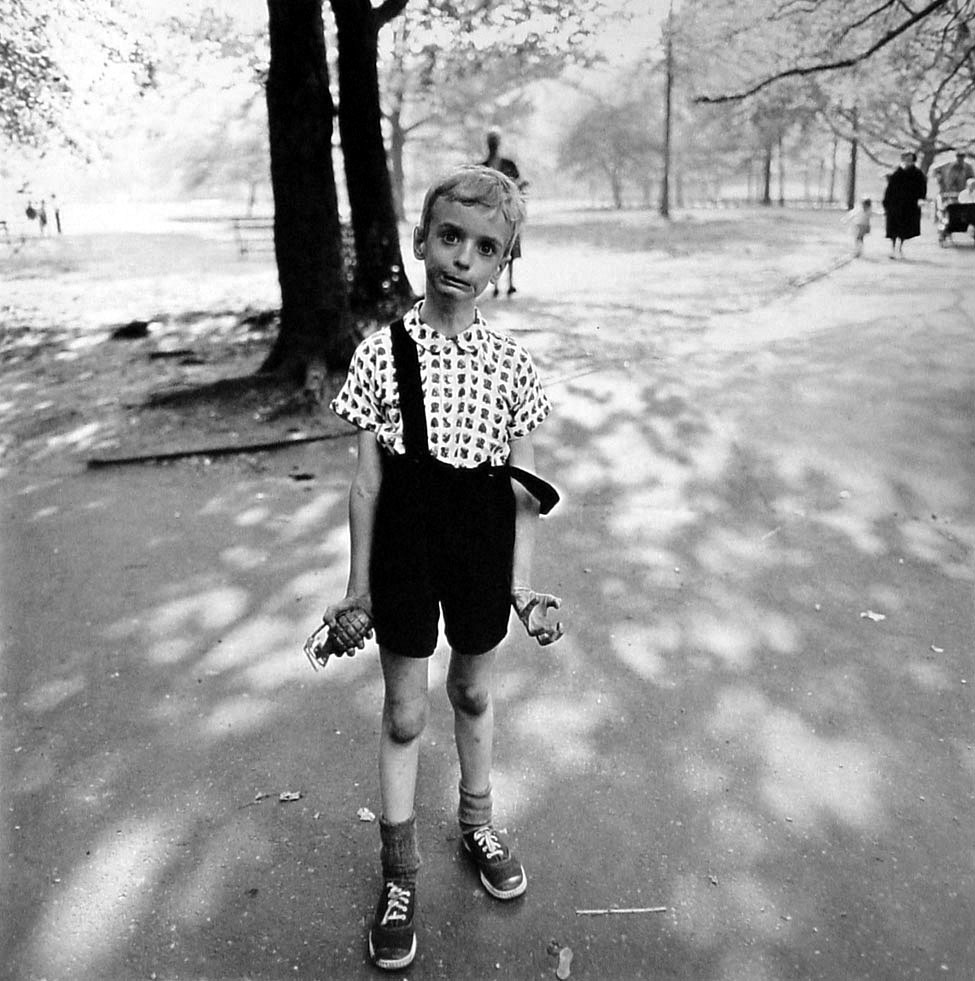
(216, 73)
(61, 63)
(618, 138)
(880, 74)
(453, 68)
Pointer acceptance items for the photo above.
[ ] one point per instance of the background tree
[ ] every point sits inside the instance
(217, 141)
(380, 285)
(614, 141)
(912, 66)
(58, 62)
(918, 93)
(453, 68)
(315, 330)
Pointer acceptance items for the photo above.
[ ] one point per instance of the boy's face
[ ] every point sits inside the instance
(463, 250)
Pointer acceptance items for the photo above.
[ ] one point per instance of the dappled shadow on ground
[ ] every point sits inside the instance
(721, 733)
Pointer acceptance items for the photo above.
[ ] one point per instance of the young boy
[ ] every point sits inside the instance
(859, 219)
(443, 522)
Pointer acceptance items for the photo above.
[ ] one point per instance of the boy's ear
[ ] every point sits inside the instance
(500, 269)
(418, 244)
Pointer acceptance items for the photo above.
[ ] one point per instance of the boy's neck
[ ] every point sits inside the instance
(449, 319)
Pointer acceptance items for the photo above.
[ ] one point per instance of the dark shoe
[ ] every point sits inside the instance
(392, 940)
(501, 873)
(511, 290)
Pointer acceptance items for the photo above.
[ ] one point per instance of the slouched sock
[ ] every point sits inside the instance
(475, 809)
(399, 853)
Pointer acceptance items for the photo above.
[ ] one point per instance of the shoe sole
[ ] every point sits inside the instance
(506, 893)
(500, 893)
(390, 964)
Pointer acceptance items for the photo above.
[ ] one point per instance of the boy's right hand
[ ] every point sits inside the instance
(349, 624)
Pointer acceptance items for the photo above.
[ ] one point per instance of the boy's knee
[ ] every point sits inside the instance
(468, 697)
(405, 718)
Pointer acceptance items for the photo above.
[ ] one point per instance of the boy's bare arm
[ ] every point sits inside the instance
(363, 495)
(532, 607)
(522, 455)
(351, 632)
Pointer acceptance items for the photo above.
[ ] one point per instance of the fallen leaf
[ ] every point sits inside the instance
(870, 615)
(289, 795)
(565, 963)
(364, 814)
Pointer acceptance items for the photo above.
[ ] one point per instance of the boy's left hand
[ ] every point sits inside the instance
(532, 609)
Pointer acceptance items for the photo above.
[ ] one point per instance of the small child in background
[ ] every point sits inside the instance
(859, 220)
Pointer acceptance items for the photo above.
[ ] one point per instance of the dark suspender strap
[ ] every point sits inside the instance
(406, 365)
(543, 492)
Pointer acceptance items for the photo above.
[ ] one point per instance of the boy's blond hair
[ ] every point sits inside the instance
(476, 185)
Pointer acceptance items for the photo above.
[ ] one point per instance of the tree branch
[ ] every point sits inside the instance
(856, 25)
(826, 66)
(388, 10)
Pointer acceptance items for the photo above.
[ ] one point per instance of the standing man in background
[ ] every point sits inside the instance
(510, 170)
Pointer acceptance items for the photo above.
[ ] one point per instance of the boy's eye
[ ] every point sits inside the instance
(449, 237)
(488, 248)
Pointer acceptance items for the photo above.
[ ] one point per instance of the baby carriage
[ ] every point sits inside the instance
(950, 217)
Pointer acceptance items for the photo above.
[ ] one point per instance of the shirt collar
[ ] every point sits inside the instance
(469, 341)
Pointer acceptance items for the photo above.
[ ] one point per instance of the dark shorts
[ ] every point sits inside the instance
(443, 540)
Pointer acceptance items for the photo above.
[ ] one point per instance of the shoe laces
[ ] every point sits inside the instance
(487, 840)
(397, 904)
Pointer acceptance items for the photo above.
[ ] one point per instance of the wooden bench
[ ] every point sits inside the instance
(253, 235)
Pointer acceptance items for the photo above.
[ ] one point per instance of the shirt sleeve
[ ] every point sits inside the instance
(359, 401)
(531, 405)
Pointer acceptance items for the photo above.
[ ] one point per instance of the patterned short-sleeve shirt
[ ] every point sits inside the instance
(480, 391)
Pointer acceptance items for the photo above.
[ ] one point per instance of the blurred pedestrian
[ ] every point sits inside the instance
(906, 188)
(859, 220)
(42, 217)
(956, 175)
(509, 168)
(56, 207)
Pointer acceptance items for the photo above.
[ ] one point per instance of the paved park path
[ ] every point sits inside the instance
(760, 720)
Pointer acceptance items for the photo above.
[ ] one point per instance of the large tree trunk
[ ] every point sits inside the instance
(315, 329)
(380, 285)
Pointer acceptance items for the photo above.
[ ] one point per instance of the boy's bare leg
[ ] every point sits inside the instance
(470, 683)
(404, 718)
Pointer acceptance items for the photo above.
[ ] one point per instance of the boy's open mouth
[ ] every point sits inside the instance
(460, 284)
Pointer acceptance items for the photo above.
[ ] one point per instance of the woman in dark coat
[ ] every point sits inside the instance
(906, 187)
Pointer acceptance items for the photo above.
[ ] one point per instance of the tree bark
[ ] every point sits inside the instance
(315, 328)
(668, 121)
(781, 158)
(851, 176)
(832, 170)
(380, 285)
(767, 174)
